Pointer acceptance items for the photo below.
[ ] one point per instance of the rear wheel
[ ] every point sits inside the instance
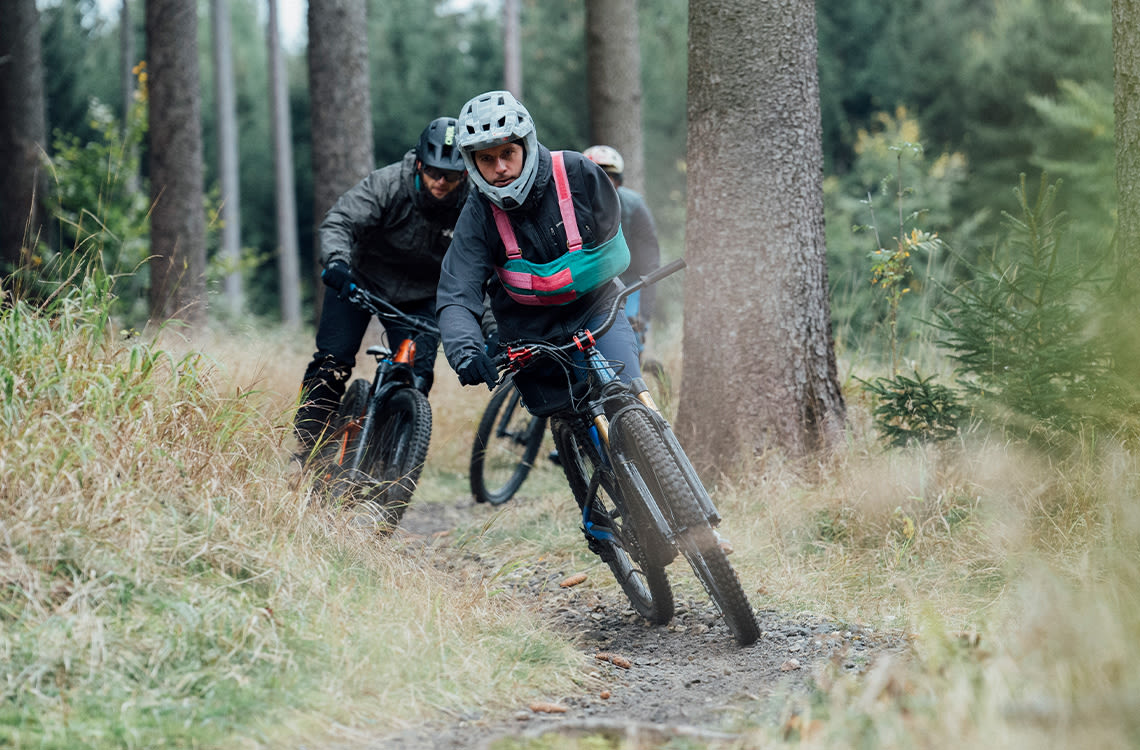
(396, 452)
(635, 437)
(506, 444)
(615, 536)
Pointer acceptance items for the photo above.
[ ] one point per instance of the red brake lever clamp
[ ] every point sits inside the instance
(589, 337)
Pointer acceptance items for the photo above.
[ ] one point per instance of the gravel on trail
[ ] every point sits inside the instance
(645, 684)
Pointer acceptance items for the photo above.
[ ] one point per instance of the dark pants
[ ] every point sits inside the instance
(339, 337)
(547, 389)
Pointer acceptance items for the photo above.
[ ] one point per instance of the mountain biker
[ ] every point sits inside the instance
(388, 234)
(516, 200)
(640, 232)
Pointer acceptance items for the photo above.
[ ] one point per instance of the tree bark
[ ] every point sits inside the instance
(1123, 334)
(226, 109)
(1126, 55)
(288, 272)
(613, 57)
(759, 368)
(512, 49)
(23, 133)
(341, 104)
(178, 217)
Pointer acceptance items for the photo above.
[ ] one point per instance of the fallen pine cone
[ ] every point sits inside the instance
(573, 580)
(541, 707)
(617, 661)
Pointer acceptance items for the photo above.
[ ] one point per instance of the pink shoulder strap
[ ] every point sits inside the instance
(565, 207)
(566, 203)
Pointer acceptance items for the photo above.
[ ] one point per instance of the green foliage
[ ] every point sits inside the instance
(1078, 147)
(890, 170)
(1028, 49)
(1021, 328)
(100, 206)
(910, 410)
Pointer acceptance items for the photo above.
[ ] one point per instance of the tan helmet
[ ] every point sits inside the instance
(606, 157)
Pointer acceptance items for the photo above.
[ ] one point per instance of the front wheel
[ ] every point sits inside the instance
(506, 445)
(396, 452)
(635, 441)
(613, 535)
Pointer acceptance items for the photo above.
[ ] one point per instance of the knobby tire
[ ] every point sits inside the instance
(397, 451)
(506, 445)
(644, 582)
(636, 438)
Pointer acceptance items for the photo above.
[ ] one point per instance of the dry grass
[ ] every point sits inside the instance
(167, 578)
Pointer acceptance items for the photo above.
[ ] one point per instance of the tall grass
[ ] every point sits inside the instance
(167, 580)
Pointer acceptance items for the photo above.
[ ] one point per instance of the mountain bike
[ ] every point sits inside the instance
(509, 438)
(377, 451)
(642, 503)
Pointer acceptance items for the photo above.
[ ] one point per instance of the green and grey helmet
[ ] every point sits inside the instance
(492, 119)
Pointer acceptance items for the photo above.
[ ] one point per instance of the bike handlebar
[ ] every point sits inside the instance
(518, 353)
(385, 310)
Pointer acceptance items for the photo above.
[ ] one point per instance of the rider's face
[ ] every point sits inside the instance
(500, 165)
(442, 183)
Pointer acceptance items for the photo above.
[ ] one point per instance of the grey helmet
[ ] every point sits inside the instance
(437, 145)
(492, 119)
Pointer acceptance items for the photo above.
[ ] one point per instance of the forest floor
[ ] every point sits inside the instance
(686, 679)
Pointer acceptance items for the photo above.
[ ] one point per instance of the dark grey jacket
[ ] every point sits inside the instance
(469, 268)
(392, 234)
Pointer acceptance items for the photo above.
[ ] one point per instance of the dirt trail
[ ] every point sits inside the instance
(685, 679)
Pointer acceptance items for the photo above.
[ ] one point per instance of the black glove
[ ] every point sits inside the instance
(337, 276)
(478, 369)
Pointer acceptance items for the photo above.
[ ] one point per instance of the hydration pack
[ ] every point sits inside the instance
(574, 273)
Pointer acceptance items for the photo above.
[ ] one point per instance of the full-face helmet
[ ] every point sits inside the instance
(492, 119)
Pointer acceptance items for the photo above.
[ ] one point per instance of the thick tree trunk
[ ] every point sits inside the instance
(288, 273)
(759, 364)
(178, 217)
(613, 59)
(226, 108)
(341, 103)
(22, 133)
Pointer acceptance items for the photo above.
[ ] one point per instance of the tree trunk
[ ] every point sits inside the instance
(126, 62)
(22, 133)
(341, 104)
(759, 366)
(178, 217)
(1124, 336)
(226, 109)
(1126, 55)
(613, 58)
(288, 274)
(512, 49)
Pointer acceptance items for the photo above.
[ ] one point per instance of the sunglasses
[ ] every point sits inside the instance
(447, 175)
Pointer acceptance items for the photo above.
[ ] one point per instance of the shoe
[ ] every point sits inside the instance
(722, 542)
(554, 458)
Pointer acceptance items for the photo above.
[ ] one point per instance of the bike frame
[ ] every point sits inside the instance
(393, 372)
(604, 386)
